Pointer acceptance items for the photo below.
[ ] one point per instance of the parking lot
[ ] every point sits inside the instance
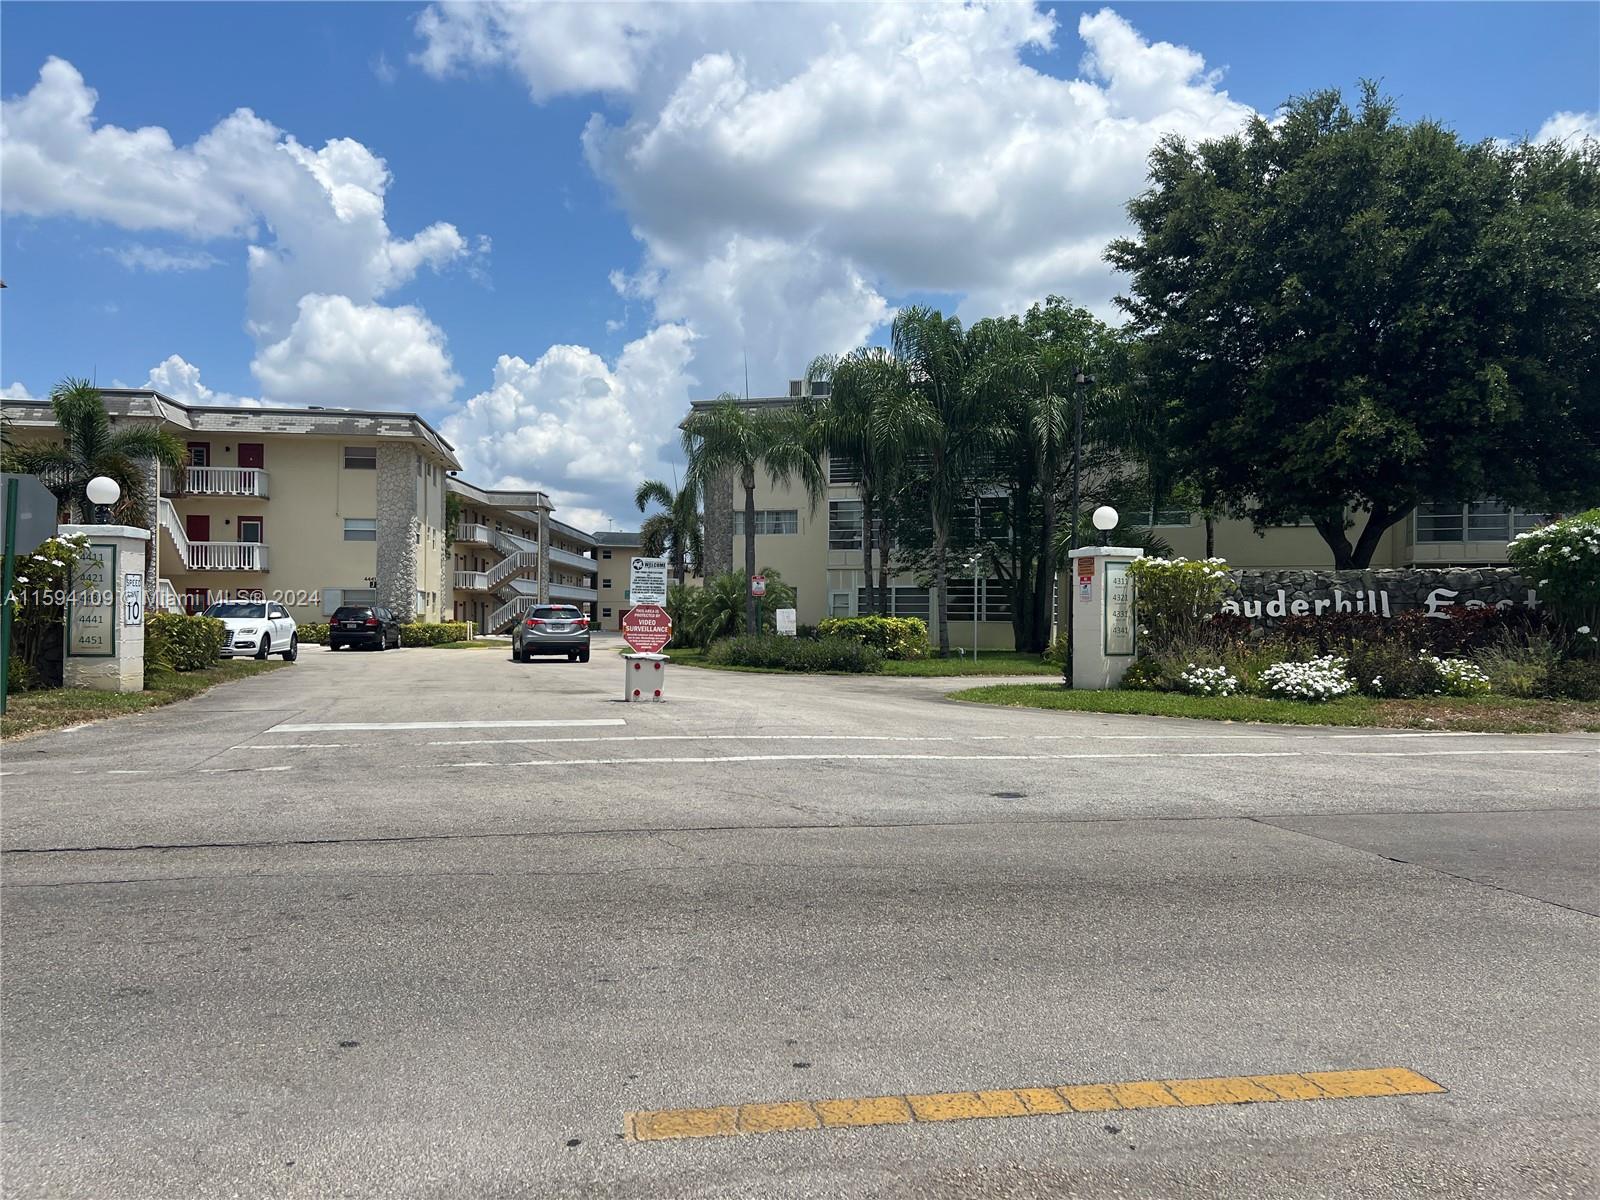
(436, 922)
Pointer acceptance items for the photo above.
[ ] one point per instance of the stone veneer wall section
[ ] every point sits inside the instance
(544, 557)
(397, 529)
(718, 505)
(1433, 588)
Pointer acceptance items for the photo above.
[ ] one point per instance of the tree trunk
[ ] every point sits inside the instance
(1044, 573)
(873, 602)
(1359, 556)
(885, 548)
(1211, 535)
(941, 580)
(752, 618)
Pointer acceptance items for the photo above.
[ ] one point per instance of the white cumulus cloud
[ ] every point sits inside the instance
(15, 390)
(573, 424)
(354, 355)
(137, 256)
(1569, 126)
(179, 379)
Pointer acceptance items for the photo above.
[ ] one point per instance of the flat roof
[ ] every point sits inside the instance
(617, 537)
(514, 501)
(233, 418)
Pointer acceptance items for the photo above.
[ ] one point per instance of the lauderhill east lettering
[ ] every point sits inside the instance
(1437, 604)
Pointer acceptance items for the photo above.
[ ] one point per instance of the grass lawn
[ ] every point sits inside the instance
(998, 662)
(31, 712)
(1482, 714)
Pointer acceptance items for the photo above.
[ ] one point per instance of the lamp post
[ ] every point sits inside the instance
(976, 559)
(103, 492)
(1105, 520)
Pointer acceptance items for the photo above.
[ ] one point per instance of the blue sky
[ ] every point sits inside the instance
(434, 229)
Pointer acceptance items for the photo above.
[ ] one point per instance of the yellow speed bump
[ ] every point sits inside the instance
(790, 1116)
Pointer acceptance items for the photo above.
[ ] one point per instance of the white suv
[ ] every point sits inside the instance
(256, 628)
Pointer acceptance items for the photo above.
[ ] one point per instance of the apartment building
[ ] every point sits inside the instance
(314, 507)
(818, 550)
(615, 550)
(510, 553)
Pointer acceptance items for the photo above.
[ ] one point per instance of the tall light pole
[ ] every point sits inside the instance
(1080, 383)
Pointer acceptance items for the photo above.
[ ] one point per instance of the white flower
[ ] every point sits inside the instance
(1583, 629)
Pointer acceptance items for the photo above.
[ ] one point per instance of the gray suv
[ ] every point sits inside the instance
(552, 629)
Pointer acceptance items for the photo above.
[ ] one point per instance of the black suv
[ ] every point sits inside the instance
(363, 625)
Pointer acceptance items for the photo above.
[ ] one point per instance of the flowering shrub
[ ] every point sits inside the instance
(1175, 595)
(893, 637)
(1207, 681)
(1562, 560)
(1457, 677)
(1319, 679)
(39, 605)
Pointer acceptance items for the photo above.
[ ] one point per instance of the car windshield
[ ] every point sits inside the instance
(345, 614)
(237, 609)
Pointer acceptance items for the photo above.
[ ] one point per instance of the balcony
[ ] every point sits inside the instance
(570, 591)
(568, 558)
(472, 581)
(227, 556)
(217, 481)
(469, 532)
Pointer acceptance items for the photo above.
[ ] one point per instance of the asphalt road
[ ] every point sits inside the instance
(249, 951)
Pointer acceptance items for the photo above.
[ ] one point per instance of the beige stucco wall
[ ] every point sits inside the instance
(612, 583)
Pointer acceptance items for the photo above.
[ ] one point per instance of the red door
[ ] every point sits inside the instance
(251, 454)
(197, 526)
(194, 600)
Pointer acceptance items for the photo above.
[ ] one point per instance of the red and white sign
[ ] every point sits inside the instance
(647, 628)
(758, 585)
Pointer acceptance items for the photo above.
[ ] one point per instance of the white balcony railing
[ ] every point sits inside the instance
(472, 581)
(568, 558)
(467, 531)
(218, 481)
(227, 556)
(571, 591)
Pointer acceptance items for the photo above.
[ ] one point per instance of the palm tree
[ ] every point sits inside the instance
(949, 428)
(676, 530)
(733, 438)
(90, 447)
(872, 417)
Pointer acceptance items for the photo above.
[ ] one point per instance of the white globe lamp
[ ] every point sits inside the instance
(1105, 520)
(102, 493)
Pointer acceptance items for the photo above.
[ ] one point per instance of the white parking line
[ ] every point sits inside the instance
(297, 746)
(841, 737)
(241, 770)
(341, 725)
(127, 772)
(748, 758)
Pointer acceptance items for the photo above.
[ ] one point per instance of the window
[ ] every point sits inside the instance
(605, 612)
(251, 529)
(902, 601)
(844, 525)
(278, 612)
(993, 604)
(360, 529)
(361, 458)
(1482, 521)
(820, 387)
(843, 469)
(199, 454)
(839, 604)
(605, 583)
(1156, 518)
(605, 554)
(776, 520)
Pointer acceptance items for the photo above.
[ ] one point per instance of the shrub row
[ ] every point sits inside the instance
(176, 642)
(892, 637)
(434, 633)
(312, 635)
(795, 654)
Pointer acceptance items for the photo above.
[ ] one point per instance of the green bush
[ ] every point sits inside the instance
(892, 637)
(313, 634)
(793, 654)
(1393, 670)
(1562, 561)
(1575, 679)
(1174, 596)
(176, 642)
(1520, 668)
(431, 633)
(1056, 656)
(1144, 674)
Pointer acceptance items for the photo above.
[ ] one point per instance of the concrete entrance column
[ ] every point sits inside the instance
(105, 616)
(1099, 592)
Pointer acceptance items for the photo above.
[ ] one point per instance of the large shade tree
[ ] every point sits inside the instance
(730, 438)
(1348, 315)
(676, 530)
(91, 446)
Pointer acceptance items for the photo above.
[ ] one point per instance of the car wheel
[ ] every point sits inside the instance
(293, 652)
(516, 653)
(583, 656)
(266, 649)
(399, 640)
(383, 642)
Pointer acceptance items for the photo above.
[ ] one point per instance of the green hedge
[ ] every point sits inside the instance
(892, 637)
(773, 650)
(429, 633)
(175, 642)
(312, 635)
